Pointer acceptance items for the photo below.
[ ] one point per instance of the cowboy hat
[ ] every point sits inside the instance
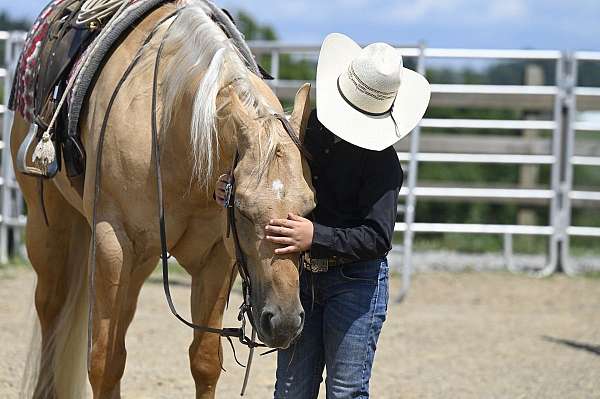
(365, 96)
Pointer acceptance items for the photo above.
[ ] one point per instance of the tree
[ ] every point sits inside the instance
(290, 68)
(8, 23)
(252, 29)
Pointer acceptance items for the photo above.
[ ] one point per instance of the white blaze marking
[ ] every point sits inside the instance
(278, 188)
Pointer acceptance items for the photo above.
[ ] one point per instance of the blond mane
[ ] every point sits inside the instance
(196, 46)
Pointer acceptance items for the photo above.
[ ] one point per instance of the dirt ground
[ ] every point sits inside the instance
(470, 335)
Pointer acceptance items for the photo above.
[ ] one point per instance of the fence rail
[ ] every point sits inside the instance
(561, 102)
(562, 144)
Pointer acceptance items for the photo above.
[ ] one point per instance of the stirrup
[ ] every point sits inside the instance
(22, 157)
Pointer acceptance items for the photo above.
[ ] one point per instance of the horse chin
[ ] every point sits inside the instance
(278, 329)
(278, 343)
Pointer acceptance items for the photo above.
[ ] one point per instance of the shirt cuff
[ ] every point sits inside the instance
(322, 236)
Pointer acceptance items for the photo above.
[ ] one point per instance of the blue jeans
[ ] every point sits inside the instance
(345, 310)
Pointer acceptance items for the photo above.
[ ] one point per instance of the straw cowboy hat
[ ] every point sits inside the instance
(365, 96)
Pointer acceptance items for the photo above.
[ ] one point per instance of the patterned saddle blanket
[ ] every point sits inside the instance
(29, 66)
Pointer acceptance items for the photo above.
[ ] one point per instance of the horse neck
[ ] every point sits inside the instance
(178, 158)
(228, 148)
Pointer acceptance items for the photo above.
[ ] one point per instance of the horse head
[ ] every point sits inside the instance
(227, 112)
(272, 179)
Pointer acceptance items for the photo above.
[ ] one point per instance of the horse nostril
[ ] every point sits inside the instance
(265, 323)
(302, 315)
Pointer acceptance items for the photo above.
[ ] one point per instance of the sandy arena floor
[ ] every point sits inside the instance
(472, 335)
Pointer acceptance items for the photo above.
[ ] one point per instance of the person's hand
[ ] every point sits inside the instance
(220, 190)
(294, 234)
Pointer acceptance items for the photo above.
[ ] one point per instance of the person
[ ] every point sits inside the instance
(366, 102)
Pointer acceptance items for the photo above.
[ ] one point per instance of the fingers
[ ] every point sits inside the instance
(282, 231)
(296, 218)
(288, 250)
(220, 196)
(224, 178)
(220, 193)
(292, 216)
(281, 240)
(282, 223)
(220, 200)
(222, 183)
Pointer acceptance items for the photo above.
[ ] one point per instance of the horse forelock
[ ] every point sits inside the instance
(195, 46)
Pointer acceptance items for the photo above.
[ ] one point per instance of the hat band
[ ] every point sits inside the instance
(356, 107)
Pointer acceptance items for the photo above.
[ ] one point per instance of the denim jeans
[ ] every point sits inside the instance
(345, 310)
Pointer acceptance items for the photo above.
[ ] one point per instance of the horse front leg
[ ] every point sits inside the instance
(118, 281)
(210, 289)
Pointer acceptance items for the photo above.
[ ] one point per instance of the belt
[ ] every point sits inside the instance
(322, 265)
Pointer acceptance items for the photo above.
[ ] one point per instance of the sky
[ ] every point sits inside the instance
(539, 24)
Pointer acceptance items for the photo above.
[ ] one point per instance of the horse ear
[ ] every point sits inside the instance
(299, 118)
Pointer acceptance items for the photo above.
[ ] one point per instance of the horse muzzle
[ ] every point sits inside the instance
(278, 328)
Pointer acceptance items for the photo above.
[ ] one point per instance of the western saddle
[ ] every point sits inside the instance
(61, 48)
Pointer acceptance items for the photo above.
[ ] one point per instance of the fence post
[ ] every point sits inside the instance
(570, 111)
(411, 200)
(6, 156)
(529, 174)
(275, 64)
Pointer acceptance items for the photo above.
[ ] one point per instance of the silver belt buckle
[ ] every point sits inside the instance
(317, 265)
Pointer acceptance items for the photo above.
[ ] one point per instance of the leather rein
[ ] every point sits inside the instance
(240, 263)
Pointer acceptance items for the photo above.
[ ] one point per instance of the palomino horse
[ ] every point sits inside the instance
(211, 108)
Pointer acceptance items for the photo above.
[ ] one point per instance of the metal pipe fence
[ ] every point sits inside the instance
(552, 194)
(562, 100)
(12, 217)
(574, 129)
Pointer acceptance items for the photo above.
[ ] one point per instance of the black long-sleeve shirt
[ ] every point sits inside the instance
(357, 196)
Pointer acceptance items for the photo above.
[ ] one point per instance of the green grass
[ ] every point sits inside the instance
(473, 243)
(9, 270)
(592, 275)
(15, 264)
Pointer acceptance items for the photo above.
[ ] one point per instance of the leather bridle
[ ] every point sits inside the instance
(240, 262)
